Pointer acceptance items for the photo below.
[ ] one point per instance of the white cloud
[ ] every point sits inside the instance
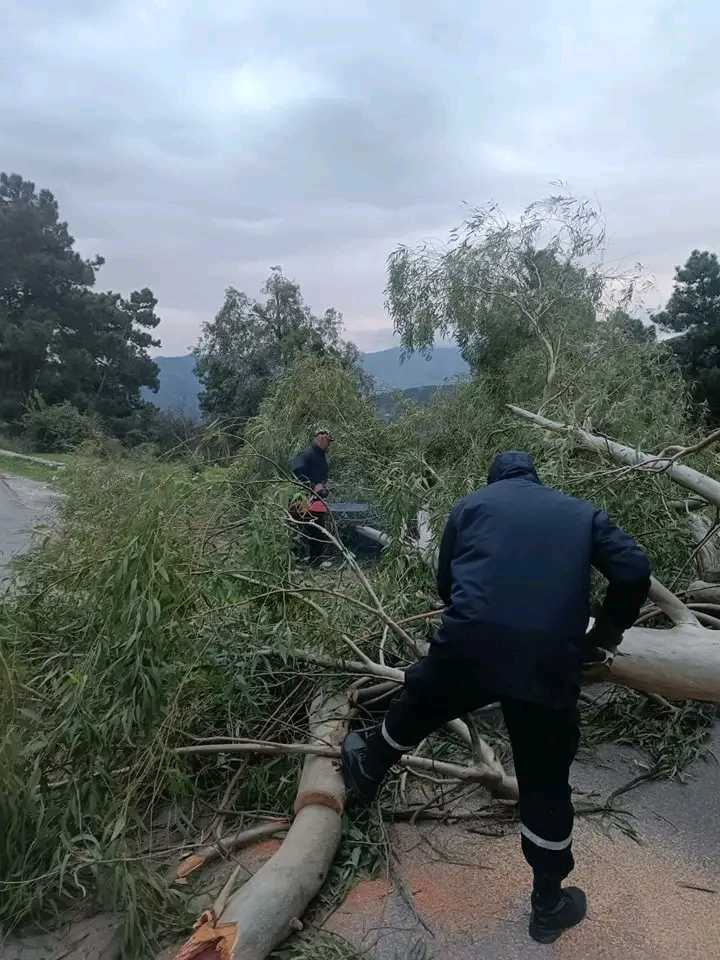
(266, 86)
(196, 145)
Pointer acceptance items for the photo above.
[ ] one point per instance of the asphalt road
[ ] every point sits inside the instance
(24, 505)
(464, 896)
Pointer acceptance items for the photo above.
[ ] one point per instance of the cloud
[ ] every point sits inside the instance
(195, 145)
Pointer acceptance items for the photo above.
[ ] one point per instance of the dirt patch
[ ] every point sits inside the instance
(641, 904)
(472, 894)
(95, 938)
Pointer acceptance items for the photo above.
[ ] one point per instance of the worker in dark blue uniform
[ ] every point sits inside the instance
(310, 467)
(514, 571)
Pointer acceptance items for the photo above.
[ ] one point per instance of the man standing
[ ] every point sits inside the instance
(514, 572)
(310, 467)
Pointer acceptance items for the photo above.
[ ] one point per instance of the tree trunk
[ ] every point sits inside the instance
(682, 663)
(267, 909)
(704, 592)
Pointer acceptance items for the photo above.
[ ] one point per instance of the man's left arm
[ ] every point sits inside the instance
(626, 566)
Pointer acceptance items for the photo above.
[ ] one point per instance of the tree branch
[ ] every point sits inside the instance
(687, 477)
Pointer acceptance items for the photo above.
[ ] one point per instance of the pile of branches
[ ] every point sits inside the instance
(176, 684)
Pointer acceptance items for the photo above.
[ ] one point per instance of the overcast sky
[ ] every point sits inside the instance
(194, 145)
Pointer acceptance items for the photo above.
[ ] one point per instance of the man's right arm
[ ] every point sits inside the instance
(445, 556)
(626, 566)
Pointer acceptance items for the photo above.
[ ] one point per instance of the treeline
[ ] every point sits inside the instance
(74, 361)
(69, 355)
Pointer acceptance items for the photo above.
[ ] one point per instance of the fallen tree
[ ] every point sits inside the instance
(168, 612)
(666, 462)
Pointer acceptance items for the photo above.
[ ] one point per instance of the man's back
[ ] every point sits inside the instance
(515, 568)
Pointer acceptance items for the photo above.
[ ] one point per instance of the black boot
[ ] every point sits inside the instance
(365, 763)
(554, 910)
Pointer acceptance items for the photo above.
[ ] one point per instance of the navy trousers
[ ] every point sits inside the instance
(544, 743)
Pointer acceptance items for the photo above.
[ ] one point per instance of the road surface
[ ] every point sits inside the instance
(24, 505)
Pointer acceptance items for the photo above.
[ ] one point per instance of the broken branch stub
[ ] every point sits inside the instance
(225, 845)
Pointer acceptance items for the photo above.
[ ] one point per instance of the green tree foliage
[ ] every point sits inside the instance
(502, 284)
(58, 427)
(57, 336)
(250, 344)
(318, 390)
(631, 327)
(693, 310)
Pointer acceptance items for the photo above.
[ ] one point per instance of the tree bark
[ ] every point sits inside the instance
(701, 590)
(682, 663)
(699, 483)
(267, 909)
(707, 537)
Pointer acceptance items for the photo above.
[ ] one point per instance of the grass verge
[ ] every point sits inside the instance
(31, 469)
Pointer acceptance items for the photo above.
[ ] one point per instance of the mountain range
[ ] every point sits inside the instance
(179, 387)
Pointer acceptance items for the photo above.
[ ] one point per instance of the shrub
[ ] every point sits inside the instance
(58, 427)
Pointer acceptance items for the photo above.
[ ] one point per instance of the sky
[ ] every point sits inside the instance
(195, 145)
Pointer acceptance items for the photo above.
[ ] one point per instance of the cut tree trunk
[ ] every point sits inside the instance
(682, 663)
(267, 909)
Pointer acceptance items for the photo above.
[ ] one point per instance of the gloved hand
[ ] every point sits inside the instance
(603, 634)
(600, 645)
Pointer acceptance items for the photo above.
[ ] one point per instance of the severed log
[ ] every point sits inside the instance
(267, 909)
(682, 663)
(376, 536)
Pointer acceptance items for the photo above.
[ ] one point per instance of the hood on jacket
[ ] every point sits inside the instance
(513, 464)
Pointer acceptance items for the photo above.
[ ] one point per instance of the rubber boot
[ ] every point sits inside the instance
(365, 763)
(555, 910)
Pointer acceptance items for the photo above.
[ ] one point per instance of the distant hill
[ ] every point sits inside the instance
(389, 405)
(391, 372)
(179, 387)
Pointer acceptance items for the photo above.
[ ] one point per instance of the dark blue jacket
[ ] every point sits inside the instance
(310, 466)
(514, 571)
